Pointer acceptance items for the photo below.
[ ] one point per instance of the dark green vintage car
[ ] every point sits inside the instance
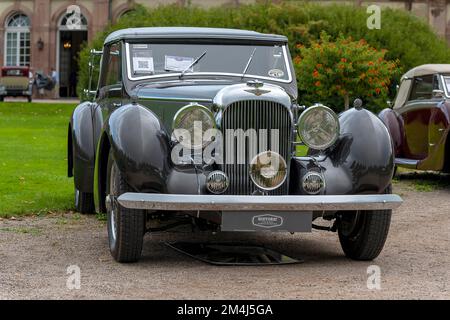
(200, 126)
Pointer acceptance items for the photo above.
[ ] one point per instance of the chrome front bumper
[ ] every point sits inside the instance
(184, 202)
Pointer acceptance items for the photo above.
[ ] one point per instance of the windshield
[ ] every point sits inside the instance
(447, 83)
(162, 60)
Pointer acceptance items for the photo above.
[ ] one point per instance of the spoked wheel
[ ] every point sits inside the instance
(126, 227)
(362, 234)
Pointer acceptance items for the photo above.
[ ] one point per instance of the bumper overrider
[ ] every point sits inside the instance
(259, 213)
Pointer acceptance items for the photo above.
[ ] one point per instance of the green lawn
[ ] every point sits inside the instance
(33, 160)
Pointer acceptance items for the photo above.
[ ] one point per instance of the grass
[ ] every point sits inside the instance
(423, 181)
(301, 150)
(33, 158)
(25, 230)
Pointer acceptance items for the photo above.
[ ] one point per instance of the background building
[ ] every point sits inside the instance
(40, 34)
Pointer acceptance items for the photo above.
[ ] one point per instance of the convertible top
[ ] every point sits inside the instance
(405, 86)
(427, 69)
(191, 33)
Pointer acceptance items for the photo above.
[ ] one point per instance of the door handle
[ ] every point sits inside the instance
(441, 130)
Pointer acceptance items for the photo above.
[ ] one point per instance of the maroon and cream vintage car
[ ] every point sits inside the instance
(15, 81)
(419, 120)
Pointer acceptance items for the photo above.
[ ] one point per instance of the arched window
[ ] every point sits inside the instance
(17, 40)
(73, 21)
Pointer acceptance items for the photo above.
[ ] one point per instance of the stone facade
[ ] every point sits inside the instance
(50, 44)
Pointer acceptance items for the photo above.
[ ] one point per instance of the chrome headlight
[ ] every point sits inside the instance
(318, 127)
(190, 124)
(268, 170)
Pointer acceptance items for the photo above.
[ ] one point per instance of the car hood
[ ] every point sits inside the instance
(181, 91)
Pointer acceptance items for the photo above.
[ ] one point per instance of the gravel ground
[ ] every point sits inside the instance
(35, 254)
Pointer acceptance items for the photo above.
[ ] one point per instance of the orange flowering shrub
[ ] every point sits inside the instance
(334, 73)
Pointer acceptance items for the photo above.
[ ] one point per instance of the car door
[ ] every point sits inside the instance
(109, 96)
(416, 115)
(438, 129)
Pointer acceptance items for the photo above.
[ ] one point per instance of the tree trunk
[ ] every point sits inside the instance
(346, 102)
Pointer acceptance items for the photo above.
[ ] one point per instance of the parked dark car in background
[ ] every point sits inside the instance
(419, 120)
(16, 82)
(159, 85)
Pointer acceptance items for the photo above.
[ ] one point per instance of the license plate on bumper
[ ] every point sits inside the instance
(280, 221)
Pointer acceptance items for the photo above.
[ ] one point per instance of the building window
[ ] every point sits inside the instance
(17, 41)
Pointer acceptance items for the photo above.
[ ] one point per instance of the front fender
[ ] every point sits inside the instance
(141, 147)
(81, 153)
(361, 161)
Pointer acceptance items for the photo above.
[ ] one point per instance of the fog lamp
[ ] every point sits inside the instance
(313, 182)
(217, 182)
(268, 170)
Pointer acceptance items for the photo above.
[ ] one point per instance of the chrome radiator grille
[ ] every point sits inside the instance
(257, 115)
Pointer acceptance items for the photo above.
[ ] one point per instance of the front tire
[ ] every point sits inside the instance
(363, 234)
(126, 227)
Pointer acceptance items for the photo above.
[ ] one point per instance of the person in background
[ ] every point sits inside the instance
(55, 78)
(73, 84)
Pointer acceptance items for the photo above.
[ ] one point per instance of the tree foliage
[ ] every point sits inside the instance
(344, 69)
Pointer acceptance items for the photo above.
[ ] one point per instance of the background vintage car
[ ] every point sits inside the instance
(120, 144)
(15, 82)
(419, 121)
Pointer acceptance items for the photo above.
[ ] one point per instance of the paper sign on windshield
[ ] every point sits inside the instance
(143, 65)
(143, 60)
(174, 63)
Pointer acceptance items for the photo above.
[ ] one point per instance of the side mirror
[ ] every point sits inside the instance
(437, 93)
(90, 94)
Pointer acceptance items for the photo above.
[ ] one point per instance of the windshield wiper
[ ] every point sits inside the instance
(193, 64)
(248, 63)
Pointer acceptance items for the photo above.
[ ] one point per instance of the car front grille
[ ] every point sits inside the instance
(257, 115)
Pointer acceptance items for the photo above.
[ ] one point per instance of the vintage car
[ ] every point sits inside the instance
(16, 82)
(419, 120)
(200, 126)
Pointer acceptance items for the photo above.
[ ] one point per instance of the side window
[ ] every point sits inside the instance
(113, 66)
(423, 87)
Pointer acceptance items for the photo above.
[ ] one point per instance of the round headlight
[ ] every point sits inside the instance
(318, 127)
(268, 170)
(189, 125)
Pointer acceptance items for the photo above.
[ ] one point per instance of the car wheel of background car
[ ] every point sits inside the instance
(2, 99)
(30, 99)
(84, 202)
(126, 227)
(362, 234)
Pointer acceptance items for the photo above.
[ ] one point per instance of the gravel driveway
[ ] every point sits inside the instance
(36, 252)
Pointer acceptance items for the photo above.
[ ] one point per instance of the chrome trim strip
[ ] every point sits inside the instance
(409, 163)
(181, 99)
(190, 202)
(414, 105)
(130, 77)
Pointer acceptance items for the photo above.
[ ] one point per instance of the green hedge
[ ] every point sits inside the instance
(406, 38)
